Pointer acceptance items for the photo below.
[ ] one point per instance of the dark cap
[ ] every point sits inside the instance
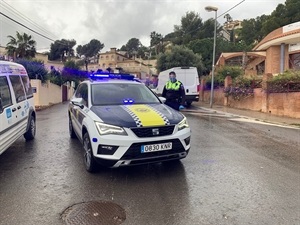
(172, 72)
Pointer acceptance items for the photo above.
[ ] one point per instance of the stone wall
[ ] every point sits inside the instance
(48, 93)
(280, 104)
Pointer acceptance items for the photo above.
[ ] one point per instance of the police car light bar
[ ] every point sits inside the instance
(104, 75)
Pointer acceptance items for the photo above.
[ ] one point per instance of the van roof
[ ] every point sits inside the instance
(9, 63)
(7, 67)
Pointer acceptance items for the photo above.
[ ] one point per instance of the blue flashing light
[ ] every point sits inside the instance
(128, 101)
(106, 75)
(94, 139)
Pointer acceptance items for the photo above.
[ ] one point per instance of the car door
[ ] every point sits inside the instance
(77, 112)
(9, 121)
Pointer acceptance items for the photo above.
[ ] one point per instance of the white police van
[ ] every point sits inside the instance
(188, 76)
(17, 111)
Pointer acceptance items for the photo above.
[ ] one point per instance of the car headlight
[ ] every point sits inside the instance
(183, 124)
(105, 129)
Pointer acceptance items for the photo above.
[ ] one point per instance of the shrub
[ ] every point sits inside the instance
(221, 74)
(242, 87)
(289, 81)
(238, 93)
(35, 69)
(233, 71)
(55, 77)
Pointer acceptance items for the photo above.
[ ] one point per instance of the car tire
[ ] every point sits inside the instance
(30, 133)
(71, 129)
(188, 104)
(89, 160)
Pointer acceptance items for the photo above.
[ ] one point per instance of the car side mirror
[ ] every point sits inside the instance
(162, 99)
(78, 102)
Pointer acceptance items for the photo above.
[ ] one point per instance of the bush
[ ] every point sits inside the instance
(239, 93)
(55, 77)
(221, 74)
(72, 72)
(246, 82)
(233, 71)
(242, 87)
(288, 81)
(35, 69)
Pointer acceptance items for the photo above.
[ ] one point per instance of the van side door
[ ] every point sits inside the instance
(29, 104)
(8, 115)
(21, 103)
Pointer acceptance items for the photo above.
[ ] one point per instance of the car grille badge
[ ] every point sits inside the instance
(155, 131)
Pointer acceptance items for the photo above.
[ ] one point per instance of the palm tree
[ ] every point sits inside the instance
(23, 46)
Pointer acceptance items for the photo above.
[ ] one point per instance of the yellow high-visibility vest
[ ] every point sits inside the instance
(173, 86)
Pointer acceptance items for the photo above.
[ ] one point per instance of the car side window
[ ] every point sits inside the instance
(18, 88)
(82, 92)
(5, 94)
(27, 86)
(77, 92)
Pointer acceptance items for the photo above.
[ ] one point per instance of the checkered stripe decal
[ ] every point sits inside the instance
(134, 117)
(167, 122)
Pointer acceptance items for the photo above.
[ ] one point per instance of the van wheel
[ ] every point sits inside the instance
(30, 133)
(71, 129)
(89, 160)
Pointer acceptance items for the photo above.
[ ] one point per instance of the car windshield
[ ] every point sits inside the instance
(121, 93)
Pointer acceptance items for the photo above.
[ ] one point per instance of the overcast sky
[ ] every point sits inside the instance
(114, 22)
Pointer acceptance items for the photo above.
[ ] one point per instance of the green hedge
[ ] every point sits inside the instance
(289, 81)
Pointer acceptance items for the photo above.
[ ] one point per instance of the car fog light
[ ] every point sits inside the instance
(187, 140)
(107, 149)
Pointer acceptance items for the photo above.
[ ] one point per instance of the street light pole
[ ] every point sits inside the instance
(215, 9)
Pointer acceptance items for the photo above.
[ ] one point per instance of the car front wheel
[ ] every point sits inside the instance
(89, 160)
(30, 133)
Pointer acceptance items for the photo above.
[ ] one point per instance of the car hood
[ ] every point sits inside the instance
(139, 115)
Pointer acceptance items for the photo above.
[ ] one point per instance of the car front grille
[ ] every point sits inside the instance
(153, 131)
(134, 152)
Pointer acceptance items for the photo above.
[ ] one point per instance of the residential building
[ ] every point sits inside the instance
(115, 60)
(277, 52)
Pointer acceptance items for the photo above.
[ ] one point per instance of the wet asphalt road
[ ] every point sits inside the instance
(236, 173)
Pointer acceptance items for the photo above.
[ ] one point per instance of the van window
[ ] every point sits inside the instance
(5, 94)
(18, 88)
(27, 86)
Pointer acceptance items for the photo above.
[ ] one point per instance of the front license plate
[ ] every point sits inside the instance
(156, 147)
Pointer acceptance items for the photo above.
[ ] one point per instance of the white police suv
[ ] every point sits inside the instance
(121, 122)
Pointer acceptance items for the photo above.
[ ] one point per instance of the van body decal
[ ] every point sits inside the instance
(8, 113)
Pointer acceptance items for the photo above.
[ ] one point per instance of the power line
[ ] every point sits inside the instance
(231, 8)
(61, 42)
(25, 26)
(13, 10)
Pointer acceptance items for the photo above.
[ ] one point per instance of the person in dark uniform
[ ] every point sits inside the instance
(174, 92)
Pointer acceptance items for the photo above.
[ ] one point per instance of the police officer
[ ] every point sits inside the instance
(174, 92)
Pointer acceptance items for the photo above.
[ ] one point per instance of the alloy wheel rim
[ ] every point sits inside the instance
(87, 153)
(33, 127)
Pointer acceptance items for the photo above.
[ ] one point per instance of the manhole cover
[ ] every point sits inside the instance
(94, 213)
